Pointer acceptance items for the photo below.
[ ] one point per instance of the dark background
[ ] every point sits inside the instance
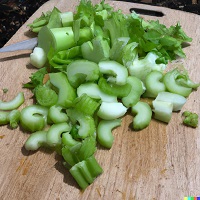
(13, 13)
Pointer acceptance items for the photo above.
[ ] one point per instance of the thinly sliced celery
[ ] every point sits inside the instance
(68, 140)
(4, 117)
(143, 114)
(16, 102)
(104, 132)
(81, 71)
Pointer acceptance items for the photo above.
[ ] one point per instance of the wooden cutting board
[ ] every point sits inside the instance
(158, 163)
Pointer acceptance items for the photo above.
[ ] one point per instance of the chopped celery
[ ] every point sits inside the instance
(36, 140)
(81, 71)
(162, 110)
(86, 122)
(33, 118)
(67, 18)
(86, 171)
(86, 104)
(95, 50)
(137, 89)
(38, 58)
(118, 73)
(54, 133)
(66, 93)
(154, 84)
(57, 115)
(172, 86)
(110, 111)
(112, 89)
(16, 102)
(143, 113)
(68, 140)
(104, 134)
(94, 91)
(177, 100)
(11, 118)
(45, 96)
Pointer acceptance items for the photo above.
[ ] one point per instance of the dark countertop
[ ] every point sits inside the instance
(13, 13)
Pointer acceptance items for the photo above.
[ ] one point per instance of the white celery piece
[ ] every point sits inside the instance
(177, 100)
(38, 58)
(110, 111)
(162, 110)
(93, 91)
(118, 72)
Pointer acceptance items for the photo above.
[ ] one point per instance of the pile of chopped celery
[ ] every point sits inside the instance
(94, 66)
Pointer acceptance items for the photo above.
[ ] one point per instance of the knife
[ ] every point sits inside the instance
(23, 45)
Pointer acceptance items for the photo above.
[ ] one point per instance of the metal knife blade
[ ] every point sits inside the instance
(23, 45)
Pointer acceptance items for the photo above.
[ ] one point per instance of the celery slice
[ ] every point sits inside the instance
(16, 102)
(118, 73)
(104, 132)
(81, 71)
(143, 113)
(110, 111)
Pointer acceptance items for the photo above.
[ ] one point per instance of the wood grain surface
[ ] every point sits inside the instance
(159, 163)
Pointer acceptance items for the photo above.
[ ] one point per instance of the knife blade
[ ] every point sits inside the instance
(23, 45)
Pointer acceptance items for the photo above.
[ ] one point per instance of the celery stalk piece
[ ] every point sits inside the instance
(143, 114)
(67, 18)
(33, 118)
(141, 67)
(54, 133)
(137, 89)
(11, 118)
(36, 140)
(172, 86)
(38, 57)
(86, 122)
(118, 73)
(66, 93)
(63, 38)
(162, 110)
(119, 91)
(16, 102)
(104, 132)
(154, 84)
(81, 71)
(95, 50)
(110, 111)
(93, 90)
(57, 115)
(86, 104)
(86, 171)
(177, 100)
